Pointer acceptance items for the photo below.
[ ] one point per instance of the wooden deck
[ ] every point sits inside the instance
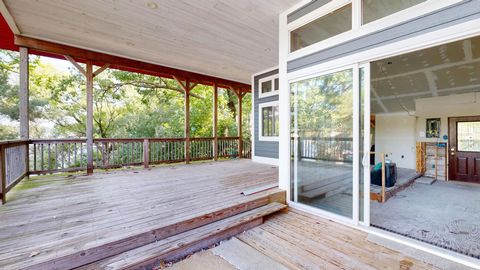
(50, 218)
(296, 240)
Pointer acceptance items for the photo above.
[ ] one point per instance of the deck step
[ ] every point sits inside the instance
(153, 234)
(180, 245)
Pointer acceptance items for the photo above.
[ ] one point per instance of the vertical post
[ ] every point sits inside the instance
(187, 121)
(383, 177)
(146, 155)
(89, 79)
(23, 94)
(239, 120)
(3, 176)
(215, 121)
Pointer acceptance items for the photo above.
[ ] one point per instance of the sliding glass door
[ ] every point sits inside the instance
(327, 126)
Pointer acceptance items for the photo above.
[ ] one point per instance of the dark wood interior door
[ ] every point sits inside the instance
(464, 149)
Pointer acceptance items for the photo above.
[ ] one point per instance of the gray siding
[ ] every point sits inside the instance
(458, 13)
(263, 148)
(315, 4)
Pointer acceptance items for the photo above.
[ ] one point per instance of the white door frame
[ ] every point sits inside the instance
(355, 68)
(438, 37)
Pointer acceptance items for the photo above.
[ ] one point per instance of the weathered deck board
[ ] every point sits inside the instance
(302, 241)
(65, 215)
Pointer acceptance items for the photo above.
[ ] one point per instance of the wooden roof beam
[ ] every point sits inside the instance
(124, 63)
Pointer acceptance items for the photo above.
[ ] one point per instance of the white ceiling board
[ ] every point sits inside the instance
(231, 39)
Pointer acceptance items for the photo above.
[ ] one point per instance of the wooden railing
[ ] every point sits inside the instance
(21, 158)
(327, 149)
(13, 165)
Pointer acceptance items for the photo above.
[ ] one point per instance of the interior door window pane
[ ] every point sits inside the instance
(327, 26)
(376, 9)
(468, 136)
(323, 120)
(266, 86)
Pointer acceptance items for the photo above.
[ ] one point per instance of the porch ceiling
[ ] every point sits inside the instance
(229, 39)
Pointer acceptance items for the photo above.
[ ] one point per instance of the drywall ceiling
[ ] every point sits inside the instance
(450, 69)
(230, 39)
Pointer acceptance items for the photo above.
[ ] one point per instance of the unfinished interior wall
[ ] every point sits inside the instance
(467, 104)
(395, 136)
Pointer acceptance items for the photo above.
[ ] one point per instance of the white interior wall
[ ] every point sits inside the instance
(395, 136)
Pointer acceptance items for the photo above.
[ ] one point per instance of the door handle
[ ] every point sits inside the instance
(366, 160)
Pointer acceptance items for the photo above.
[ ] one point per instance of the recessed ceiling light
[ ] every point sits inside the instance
(152, 5)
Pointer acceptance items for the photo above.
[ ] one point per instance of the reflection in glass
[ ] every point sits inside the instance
(323, 142)
(327, 26)
(266, 86)
(270, 124)
(375, 9)
(468, 136)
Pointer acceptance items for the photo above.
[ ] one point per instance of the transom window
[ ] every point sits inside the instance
(340, 16)
(269, 121)
(268, 86)
(376, 9)
(327, 26)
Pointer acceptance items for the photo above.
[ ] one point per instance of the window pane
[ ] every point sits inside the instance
(266, 86)
(330, 25)
(468, 136)
(276, 84)
(376, 9)
(276, 130)
(323, 117)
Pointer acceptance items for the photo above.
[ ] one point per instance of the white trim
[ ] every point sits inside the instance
(260, 121)
(8, 18)
(366, 144)
(252, 120)
(273, 92)
(263, 72)
(316, 14)
(374, 26)
(428, 40)
(284, 104)
(356, 144)
(265, 160)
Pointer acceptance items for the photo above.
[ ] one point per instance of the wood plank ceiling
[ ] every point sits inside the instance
(230, 39)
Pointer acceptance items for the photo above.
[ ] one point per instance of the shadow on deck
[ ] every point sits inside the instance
(58, 222)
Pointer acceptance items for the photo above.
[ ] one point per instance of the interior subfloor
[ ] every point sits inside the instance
(297, 240)
(51, 216)
(446, 214)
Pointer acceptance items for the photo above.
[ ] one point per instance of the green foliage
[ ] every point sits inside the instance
(126, 105)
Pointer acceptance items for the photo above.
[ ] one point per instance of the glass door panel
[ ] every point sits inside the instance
(323, 142)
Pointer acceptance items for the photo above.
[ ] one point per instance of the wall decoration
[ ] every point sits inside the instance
(433, 128)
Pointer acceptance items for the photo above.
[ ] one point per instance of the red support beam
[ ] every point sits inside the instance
(100, 59)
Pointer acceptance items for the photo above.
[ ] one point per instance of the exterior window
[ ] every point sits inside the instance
(327, 26)
(268, 86)
(269, 121)
(376, 9)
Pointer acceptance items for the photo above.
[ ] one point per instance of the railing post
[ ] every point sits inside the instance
(240, 137)
(146, 155)
(89, 78)
(3, 174)
(187, 121)
(215, 121)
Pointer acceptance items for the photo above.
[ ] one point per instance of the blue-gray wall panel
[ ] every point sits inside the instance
(263, 148)
(458, 13)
